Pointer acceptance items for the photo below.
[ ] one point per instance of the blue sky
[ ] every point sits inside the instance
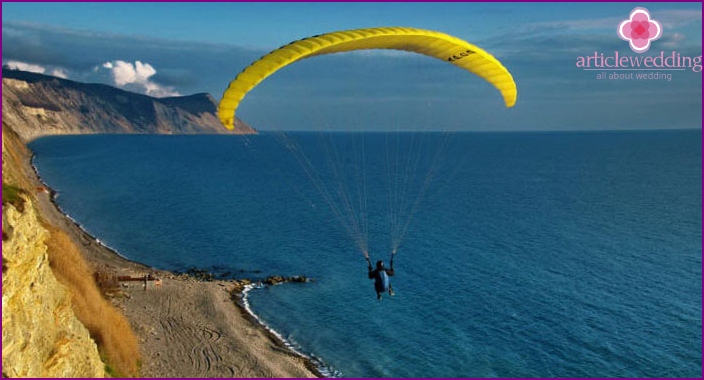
(186, 48)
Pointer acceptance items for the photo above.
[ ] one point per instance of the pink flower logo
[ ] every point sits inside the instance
(639, 30)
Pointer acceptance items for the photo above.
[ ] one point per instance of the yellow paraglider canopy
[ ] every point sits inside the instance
(434, 44)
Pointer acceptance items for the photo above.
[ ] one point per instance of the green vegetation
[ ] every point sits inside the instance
(112, 372)
(13, 195)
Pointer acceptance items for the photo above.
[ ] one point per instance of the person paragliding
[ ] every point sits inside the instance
(443, 47)
(381, 275)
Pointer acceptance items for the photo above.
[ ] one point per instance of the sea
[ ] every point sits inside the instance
(532, 254)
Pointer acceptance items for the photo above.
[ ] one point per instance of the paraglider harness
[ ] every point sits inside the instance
(380, 275)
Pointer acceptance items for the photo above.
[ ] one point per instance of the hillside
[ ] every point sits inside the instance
(66, 313)
(41, 335)
(40, 105)
(55, 321)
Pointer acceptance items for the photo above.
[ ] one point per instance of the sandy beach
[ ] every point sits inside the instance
(186, 327)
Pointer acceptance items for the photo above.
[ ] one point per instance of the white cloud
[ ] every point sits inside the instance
(137, 76)
(24, 66)
(39, 69)
(61, 73)
(672, 41)
(673, 18)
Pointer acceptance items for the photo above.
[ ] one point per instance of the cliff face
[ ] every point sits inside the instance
(40, 105)
(41, 336)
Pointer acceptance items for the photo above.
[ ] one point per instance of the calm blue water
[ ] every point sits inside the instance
(529, 255)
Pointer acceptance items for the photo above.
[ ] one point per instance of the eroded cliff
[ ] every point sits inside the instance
(41, 336)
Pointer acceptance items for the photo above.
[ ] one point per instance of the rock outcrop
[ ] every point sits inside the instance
(276, 280)
(41, 105)
(41, 336)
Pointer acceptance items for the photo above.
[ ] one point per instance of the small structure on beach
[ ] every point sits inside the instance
(145, 279)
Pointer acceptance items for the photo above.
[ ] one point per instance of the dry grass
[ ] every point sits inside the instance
(116, 341)
(108, 283)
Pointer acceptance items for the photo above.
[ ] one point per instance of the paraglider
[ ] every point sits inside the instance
(444, 47)
(431, 43)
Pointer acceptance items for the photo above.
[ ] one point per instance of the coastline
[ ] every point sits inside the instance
(186, 327)
(318, 366)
